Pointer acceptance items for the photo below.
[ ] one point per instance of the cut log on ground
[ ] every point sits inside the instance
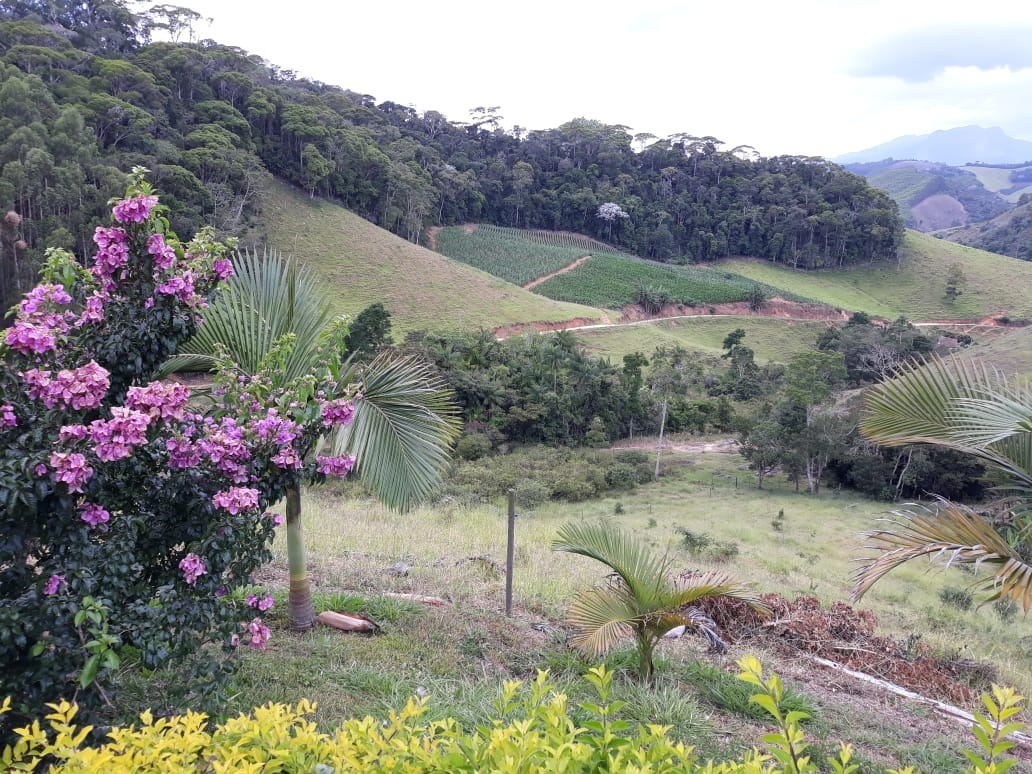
(347, 622)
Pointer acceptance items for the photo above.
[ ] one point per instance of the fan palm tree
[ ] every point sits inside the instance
(964, 406)
(403, 425)
(642, 599)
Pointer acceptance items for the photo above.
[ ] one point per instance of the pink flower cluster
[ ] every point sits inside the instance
(338, 412)
(39, 325)
(223, 268)
(112, 255)
(7, 416)
(116, 437)
(193, 568)
(159, 400)
(135, 209)
(71, 469)
(79, 388)
(236, 499)
(281, 431)
(94, 311)
(31, 338)
(262, 603)
(182, 287)
(182, 453)
(335, 466)
(259, 634)
(93, 514)
(224, 445)
(37, 300)
(164, 255)
(53, 584)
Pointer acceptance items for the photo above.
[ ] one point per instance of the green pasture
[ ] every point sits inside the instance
(769, 337)
(993, 284)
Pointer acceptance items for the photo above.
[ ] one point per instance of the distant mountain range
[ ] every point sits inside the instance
(956, 147)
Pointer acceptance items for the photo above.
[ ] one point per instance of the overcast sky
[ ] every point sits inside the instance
(814, 77)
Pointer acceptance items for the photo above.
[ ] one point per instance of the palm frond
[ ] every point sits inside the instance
(268, 297)
(695, 586)
(602, 617)
(955, 534)
(639, 567)
(914, 406)
(403, 427)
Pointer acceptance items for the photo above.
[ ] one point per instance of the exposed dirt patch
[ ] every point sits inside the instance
(773, 307)
(564, 270)
(939, 211)
(719, 446)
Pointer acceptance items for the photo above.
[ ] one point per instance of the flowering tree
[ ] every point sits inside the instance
(129, 516)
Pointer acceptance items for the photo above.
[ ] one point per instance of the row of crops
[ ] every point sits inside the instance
(613, 281)
(607, 279)
(506, 255)
(552, 238)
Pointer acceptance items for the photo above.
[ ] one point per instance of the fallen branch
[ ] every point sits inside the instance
(947, 710)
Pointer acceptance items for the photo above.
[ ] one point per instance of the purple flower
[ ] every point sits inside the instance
(259, 634)
(164, 255)
(41, 470)
(80, 388)
(236, 499)
(70, 469)
(94, 311)
(223, 268)
(7, 416)
(112, 254)
(134, 210)
(93, 514)
(41, 296)
(262, 603)
(193, 567)
(115, 437)
(159, 400)
(335, 466)
(338, 412)
(31, 338)
(53, 584)
(72, 433)
(277, 518)
(287, 458)
(182, 453)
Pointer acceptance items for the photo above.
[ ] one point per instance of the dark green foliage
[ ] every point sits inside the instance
(951, 596)
(84, 94)
(703, 546)
(369, 332)
(540, 473)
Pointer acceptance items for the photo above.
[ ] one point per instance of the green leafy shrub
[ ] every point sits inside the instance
(955, 597)
(531, 731)
(473, 446)
(702, 546)
(127, 518)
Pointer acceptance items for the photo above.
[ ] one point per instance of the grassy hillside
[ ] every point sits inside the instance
(1011, 351)
(994, 284)
(999, 180)
(362, 264)
(771, 338)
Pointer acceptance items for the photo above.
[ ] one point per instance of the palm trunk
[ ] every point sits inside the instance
(300, 612)
(646, 667)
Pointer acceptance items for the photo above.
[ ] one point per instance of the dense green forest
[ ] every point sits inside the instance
(85, 95)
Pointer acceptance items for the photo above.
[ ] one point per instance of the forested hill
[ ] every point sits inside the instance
(84, 97)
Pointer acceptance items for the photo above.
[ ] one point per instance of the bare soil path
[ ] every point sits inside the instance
(564, 270)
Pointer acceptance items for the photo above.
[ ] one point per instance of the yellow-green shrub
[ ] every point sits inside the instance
(531, 733)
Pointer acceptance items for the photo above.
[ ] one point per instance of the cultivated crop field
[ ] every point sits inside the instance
(505, 253)
(612, 281)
